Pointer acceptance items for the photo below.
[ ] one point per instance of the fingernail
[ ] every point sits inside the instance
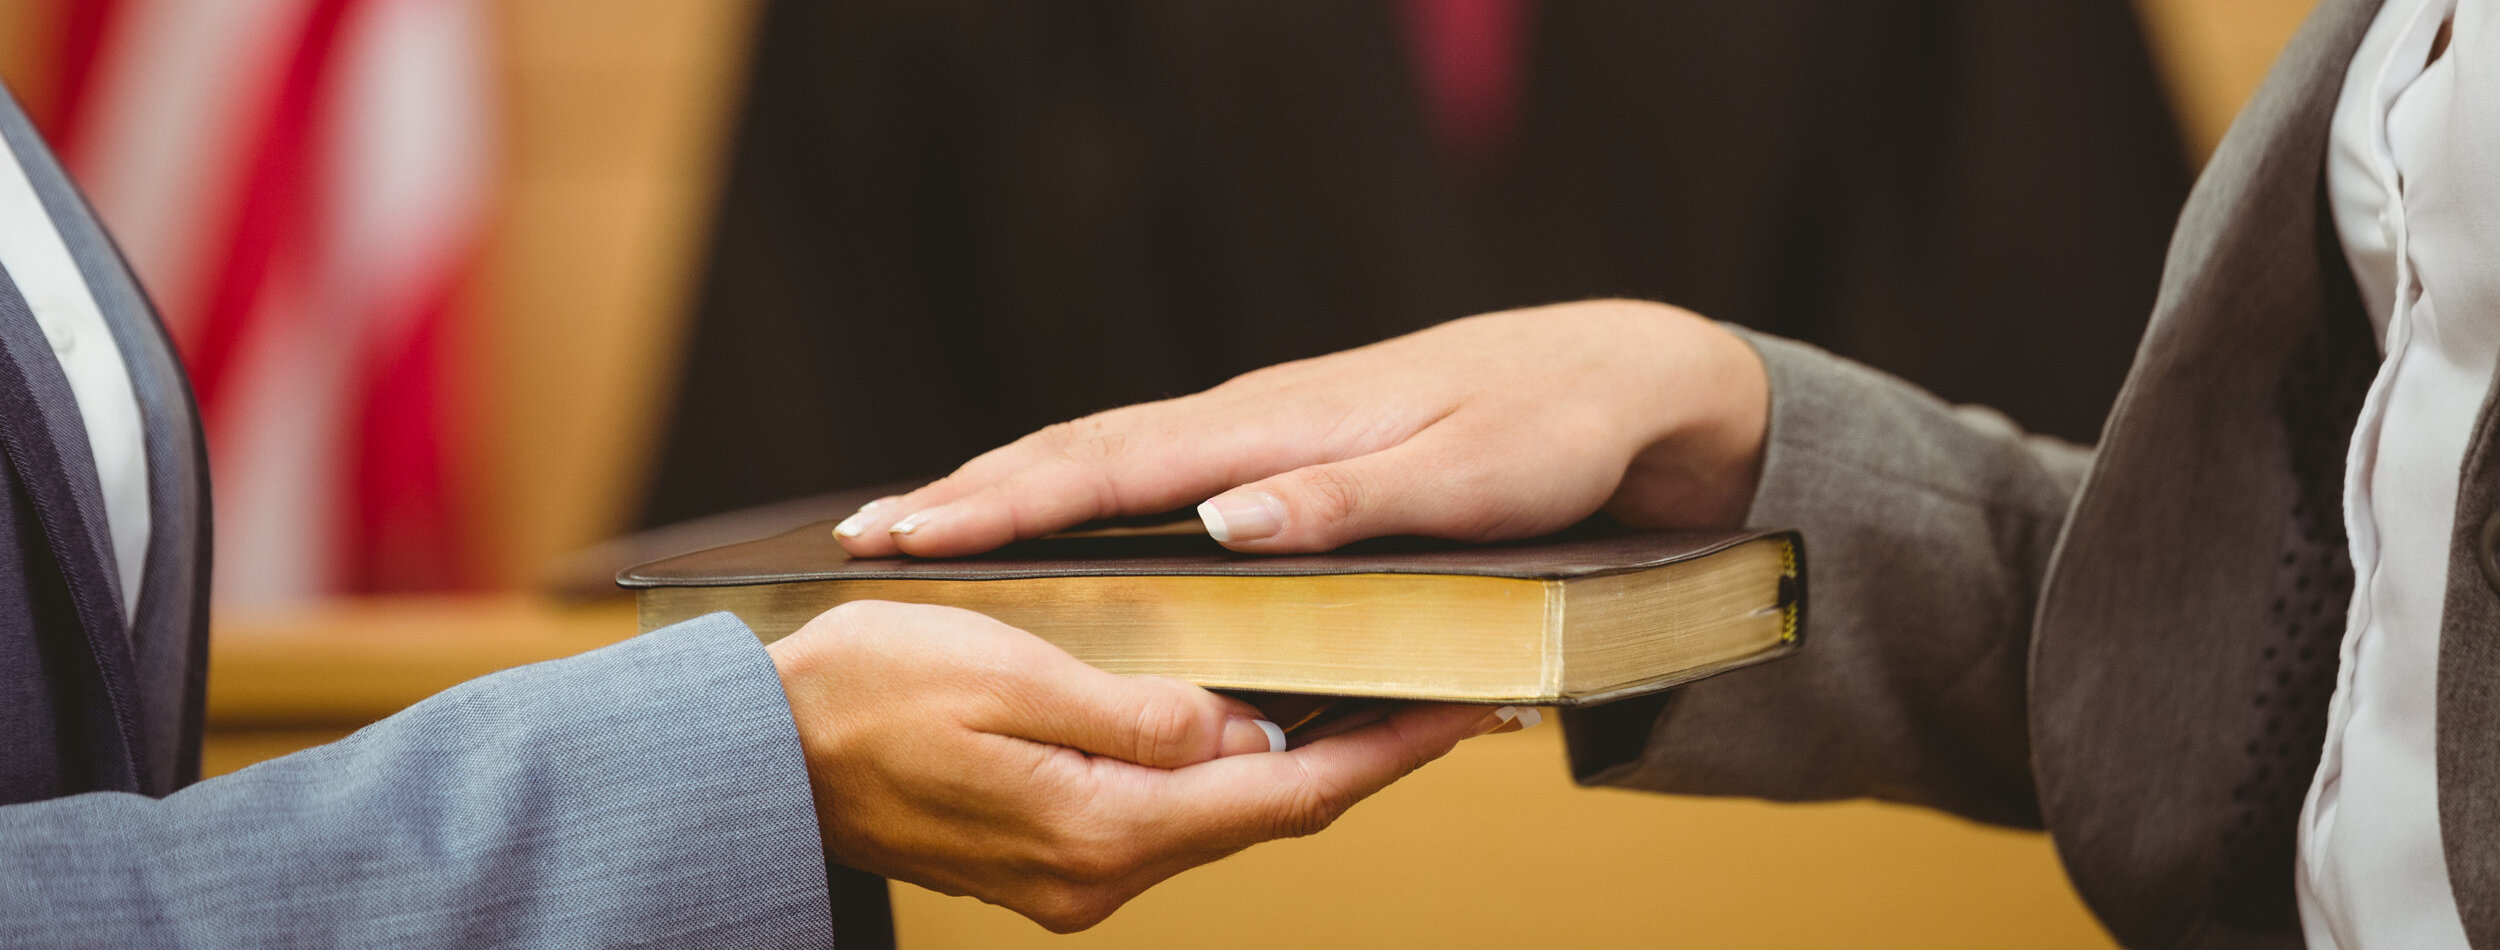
(913, 523)
(1243, 515)
(857, 523)
(1495, 720)
(1275, 734)
(1243, 736)
(1509, 719)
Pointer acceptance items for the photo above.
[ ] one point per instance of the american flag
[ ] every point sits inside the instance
(303, 186)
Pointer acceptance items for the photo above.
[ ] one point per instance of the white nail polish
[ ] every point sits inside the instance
(911, 524)
(1275, 734)
(1242, 516)
(857, 523)
(1529, 717)
(1506, 714)
(1214, 520)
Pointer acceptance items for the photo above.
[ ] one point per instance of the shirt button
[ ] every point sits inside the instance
(62, 336)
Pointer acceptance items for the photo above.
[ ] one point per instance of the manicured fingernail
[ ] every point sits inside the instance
(1242, 736)
(1243, 515)
(857, 523)
(1509, 719)
(1275, 734)
(1495, 720)
(913, 523)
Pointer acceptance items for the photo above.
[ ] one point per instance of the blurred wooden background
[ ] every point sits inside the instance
(612, 132)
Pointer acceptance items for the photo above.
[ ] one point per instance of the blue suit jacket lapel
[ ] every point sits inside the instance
(169, 631)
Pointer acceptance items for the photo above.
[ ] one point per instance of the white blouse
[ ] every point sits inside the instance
(40, 264)
(2413, 180)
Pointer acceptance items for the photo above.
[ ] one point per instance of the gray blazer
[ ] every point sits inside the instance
(650, 792)
(2110, 644)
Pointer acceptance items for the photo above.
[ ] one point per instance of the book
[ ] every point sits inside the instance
(1587, 616)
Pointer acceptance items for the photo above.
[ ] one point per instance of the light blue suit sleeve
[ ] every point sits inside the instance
(651, 792)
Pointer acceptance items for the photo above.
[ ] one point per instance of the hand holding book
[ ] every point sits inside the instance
(956, 752)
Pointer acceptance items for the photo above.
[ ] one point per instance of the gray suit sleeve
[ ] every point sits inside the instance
(1928, 529)
(646, 793)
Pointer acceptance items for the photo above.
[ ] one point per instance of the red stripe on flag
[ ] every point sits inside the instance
(277, 211)
(84, 25)
(404, 531)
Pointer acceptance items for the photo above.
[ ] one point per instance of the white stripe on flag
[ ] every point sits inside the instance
(404, 175)
(179, 87)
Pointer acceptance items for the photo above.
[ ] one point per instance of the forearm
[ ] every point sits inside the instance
(1928, 530)
(648, 792)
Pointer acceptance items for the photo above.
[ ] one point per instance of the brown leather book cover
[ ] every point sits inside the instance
(809, 553)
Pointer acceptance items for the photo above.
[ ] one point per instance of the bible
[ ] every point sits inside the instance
(1589, 615)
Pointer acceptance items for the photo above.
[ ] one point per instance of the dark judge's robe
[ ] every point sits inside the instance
(949, 222)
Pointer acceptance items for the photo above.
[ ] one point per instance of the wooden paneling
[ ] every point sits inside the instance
(349, 662)
(617, 110)
(26, 59)
(2212, 53)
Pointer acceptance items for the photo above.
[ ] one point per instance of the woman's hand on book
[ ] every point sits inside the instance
(953, 751)
(1499, 426)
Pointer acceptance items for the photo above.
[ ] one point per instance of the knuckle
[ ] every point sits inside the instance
(1312, 810)
(1309, 815)
(1165, 732)
(1087, 455)
(1105, 446)
(1057, 436)
(1413, 752)
(1087, 440)
(1331, 492)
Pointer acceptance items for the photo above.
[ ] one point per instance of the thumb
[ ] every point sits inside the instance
(1149, 720)
(1234, 803)
(1398, 490)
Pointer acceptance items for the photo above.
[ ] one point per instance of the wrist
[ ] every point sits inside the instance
(1702, 458)
(794, 662)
